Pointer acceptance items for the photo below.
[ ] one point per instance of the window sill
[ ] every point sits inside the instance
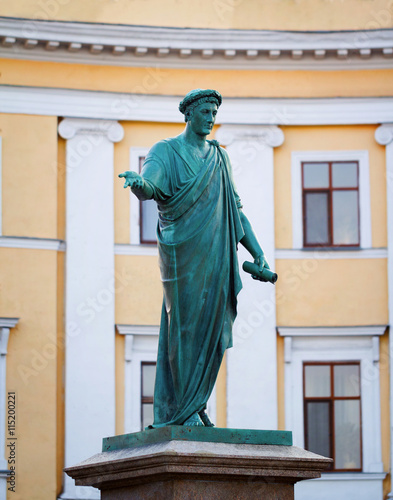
(123, 249)
(331, 253)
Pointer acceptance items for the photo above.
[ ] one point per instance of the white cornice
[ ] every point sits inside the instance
(122, 45)
(137, 329)
(31, 243)
(155, 108)
(331, 331)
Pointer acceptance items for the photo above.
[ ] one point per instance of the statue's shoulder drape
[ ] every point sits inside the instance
(198, 231)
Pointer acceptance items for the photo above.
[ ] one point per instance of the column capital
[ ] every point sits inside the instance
(111, 129)
(269, 135)
(384, 134)
(5, 325)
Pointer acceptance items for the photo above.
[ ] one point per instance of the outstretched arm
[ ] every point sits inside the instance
(250, 243)
(138, 186)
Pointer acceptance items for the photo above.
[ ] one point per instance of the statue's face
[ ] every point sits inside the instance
(203, 118)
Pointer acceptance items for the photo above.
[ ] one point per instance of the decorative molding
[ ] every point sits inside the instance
(122, 45)
(123, 249)
(384, 134)
(137, 329)
(331, 331)
(155, 108)
(362, 156)
(271, 135)
(331, 254)
(110, 129)
(8, 322)
(32, 243)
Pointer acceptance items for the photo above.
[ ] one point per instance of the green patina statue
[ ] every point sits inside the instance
(200, 225)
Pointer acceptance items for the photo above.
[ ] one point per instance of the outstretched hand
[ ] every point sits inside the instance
(132, 179)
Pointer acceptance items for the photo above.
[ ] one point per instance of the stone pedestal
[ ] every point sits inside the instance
(198, 463)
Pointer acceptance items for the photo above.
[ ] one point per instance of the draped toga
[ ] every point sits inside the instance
(198, 230)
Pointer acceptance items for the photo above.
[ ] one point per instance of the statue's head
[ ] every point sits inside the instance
(196, 97)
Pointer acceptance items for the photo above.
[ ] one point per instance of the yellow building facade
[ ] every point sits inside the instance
(307, 119)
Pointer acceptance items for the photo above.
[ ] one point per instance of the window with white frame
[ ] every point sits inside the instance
(143, 213)
(331, 199)
(332, 412)
(332, 380)
(141, 344)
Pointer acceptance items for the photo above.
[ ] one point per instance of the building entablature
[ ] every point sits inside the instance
(127, 45)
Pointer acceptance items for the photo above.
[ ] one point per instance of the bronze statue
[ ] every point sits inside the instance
(200, 225)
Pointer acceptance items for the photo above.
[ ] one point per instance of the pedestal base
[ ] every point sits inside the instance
(175, 463)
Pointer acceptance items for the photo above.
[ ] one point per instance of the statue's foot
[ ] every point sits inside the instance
(205, 419)
(194, 421)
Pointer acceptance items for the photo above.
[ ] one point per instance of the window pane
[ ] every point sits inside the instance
(147, 415)
(345, 218)
(317, 381)
(318, 426)
(316, 175)
(345, 174)
(148, 378)
(347, 434)
(149, 220)
(316, 207)
(346, 380)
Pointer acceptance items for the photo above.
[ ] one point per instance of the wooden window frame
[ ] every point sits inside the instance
(145, 399)
(329, 191)
(331, 401)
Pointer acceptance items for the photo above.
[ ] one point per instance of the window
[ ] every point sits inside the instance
(148, 376)
(332, 412)
(327, 228)
(143, 215)
(331, 203)
(148, 216)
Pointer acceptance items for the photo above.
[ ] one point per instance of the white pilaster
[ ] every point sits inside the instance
(384, 136)
(90, 292)
(252, 367)
(5, 325)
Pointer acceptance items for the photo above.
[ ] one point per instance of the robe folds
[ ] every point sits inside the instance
(199, 228)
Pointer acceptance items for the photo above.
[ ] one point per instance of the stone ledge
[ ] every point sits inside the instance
(180, 460)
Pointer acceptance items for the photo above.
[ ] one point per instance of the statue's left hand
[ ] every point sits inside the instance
(261, 262)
